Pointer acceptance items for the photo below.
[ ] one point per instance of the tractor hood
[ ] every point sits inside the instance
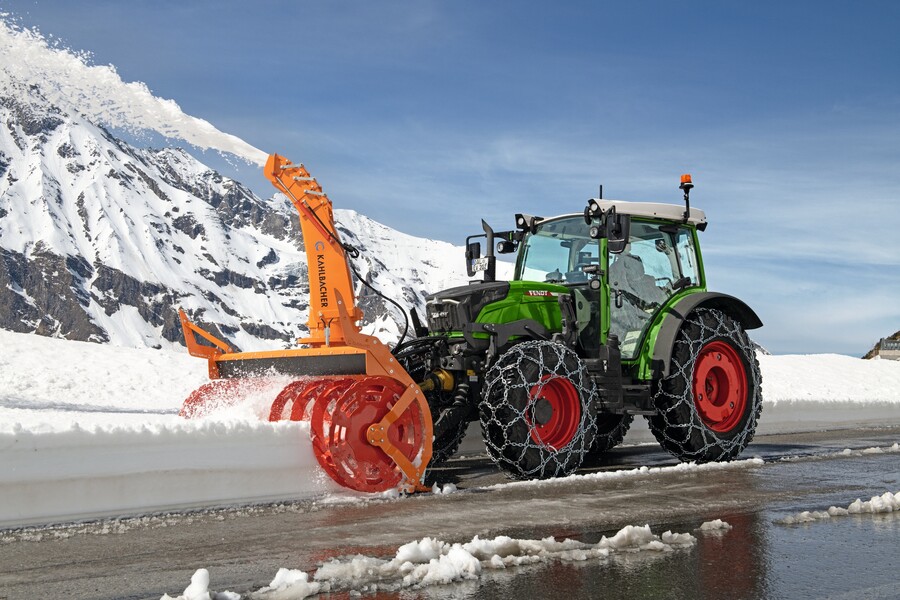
(494, 302)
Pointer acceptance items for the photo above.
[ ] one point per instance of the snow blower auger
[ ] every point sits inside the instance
(370, 424)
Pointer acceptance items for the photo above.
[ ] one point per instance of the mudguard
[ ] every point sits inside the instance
(665, 339)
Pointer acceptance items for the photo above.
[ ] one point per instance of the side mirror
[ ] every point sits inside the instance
(473, 253)
(618, 230)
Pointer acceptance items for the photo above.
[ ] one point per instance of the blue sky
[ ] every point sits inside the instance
(428, 116)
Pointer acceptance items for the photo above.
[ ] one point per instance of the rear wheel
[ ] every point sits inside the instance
(711, 401)
(537, 411)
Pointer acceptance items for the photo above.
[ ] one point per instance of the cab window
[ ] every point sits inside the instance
(558, 251)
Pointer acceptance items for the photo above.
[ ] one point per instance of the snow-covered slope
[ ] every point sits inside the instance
(101, 241)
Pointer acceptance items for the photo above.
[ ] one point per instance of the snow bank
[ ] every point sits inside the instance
(80, 473)
(67, 80)
(100, 435)
(430, 562)
(829, 378)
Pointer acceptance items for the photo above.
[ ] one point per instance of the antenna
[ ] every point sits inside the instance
(600, 196)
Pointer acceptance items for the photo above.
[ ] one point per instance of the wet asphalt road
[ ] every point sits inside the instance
(853, 557)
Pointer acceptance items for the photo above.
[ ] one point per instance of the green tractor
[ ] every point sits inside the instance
(607, 317)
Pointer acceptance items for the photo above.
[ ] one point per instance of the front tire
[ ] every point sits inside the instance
(538, 411)
(710, 403)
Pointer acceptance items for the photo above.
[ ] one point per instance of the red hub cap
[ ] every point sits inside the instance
(720, 386)
(553, 412)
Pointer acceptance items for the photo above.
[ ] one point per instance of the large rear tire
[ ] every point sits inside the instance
(711, 401)
(538, 411)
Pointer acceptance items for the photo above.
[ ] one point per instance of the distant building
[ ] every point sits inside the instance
(888, 349)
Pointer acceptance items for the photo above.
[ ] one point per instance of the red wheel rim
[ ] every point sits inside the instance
(339, 424)
(720, 386)
(554, 412)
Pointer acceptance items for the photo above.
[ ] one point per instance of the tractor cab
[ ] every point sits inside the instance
(618, 283)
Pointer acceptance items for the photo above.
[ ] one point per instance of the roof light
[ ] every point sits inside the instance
(686, 182)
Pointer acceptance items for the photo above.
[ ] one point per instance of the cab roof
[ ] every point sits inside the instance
(655, 210)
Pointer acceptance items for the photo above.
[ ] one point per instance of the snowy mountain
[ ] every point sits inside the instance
(102, 241)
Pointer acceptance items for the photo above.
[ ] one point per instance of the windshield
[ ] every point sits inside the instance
(558, 251)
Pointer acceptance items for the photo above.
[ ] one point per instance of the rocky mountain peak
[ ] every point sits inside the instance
(102, 241)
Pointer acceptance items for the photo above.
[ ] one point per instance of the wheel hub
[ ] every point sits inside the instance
(720, 386)
(543, 411)
(554, 412)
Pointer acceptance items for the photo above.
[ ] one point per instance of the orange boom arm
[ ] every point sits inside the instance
(329, 271)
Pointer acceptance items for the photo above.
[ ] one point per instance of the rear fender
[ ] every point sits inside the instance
(675, 317)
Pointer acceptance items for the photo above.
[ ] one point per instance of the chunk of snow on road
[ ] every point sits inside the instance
(447, 488)
(199, 590)
(430, 561)
(715, 525)
(885, 503)
(289, 584)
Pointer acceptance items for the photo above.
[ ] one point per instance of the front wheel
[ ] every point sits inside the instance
(711, 401)
(538, 411)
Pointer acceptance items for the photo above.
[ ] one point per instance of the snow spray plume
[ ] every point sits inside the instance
(66, 79)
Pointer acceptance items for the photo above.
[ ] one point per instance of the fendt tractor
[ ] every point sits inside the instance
(607, 316)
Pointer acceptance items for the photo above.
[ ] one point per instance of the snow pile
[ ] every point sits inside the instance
(430, 562)
(89, 473)
(827, 391)
(65, 78)
(885, 503)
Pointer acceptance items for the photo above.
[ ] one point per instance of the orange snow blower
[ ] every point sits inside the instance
(370, 424)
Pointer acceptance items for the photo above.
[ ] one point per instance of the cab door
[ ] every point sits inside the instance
(657, 262)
